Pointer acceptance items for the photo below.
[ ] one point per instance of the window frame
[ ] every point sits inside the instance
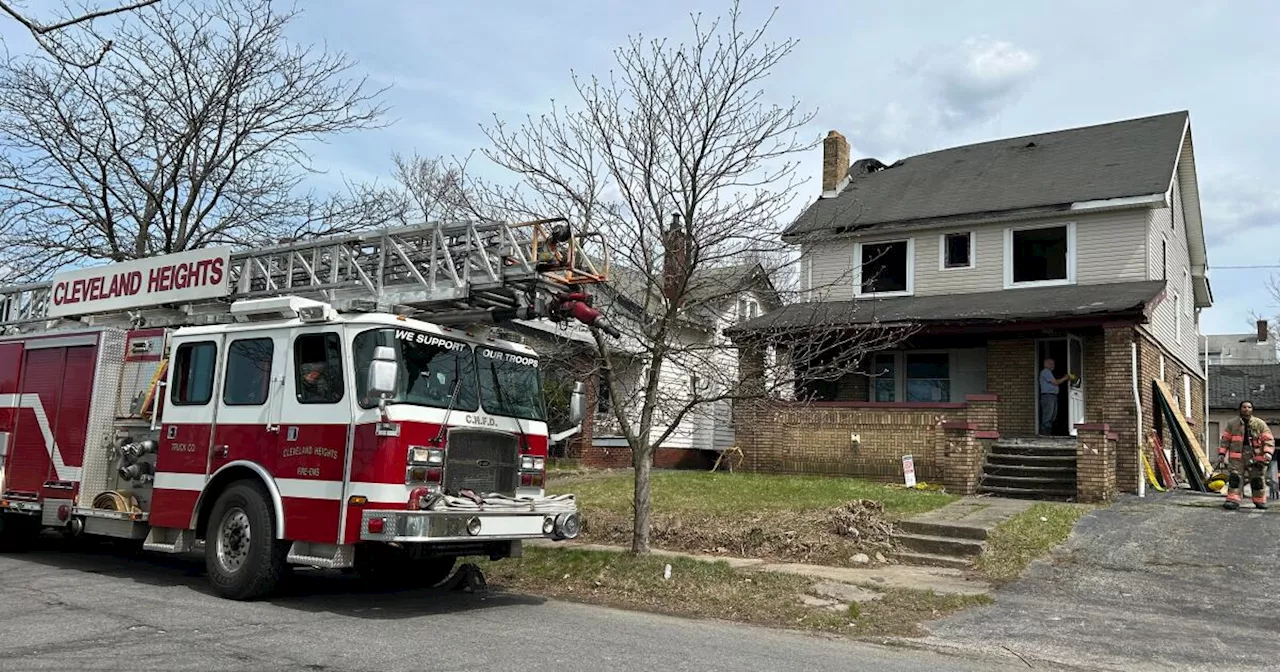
(341, 385)
(899, 377)
(226, 372)
(910, 270)
(1072, 254)
(943, 249)
(361, 395)
(752, 306)
(213, 373)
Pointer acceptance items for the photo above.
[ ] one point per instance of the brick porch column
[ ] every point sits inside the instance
(960, 459)
(1095, 462)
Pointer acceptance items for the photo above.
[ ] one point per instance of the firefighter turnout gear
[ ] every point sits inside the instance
(1246, 447)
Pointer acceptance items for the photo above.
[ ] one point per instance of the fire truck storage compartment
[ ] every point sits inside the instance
(48, 385)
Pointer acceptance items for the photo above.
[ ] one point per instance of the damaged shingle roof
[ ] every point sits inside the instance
(1040, 303)
(1231, 384)
(1046, 171)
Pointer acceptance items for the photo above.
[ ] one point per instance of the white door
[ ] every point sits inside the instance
(1075, 399)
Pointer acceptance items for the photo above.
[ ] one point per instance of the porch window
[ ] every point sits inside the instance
(928, 377)
(885, 383)
(885, 268)
(1042, 255)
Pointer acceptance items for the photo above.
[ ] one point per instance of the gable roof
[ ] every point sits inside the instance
(1047, 171)
(1231, 384)
(709, 285)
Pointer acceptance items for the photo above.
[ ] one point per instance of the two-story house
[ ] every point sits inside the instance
(1084, 246)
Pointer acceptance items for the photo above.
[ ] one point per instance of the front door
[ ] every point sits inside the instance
(249, 404)
(1067, 353)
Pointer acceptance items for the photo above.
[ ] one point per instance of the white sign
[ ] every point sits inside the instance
(909, 470)
(172, 278)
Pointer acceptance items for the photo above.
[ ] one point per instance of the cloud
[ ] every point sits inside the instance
(1235, 205)
(971, 83)
(948, 90)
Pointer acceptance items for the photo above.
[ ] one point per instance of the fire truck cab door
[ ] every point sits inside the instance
(248, 415)
(190, 412)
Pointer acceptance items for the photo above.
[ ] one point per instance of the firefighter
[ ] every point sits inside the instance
(316, 384)
(1246, 448)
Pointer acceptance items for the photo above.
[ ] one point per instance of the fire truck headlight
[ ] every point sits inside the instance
(526, 463)
(473, 526)
(539, 464)
(568, 525)
(421, 455)
(548, 525)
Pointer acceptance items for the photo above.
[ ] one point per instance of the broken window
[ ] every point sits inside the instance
(957, 250)
(1040, 255)
(885, 267)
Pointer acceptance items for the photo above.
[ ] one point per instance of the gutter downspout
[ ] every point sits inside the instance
(1206, 395)
(1137, 402)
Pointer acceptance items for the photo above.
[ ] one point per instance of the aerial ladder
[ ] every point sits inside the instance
(442, 272)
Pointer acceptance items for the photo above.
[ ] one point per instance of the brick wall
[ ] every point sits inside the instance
(1118, 410)
(599, 457)
(1011, 370)
(1095, 462)
(819, 439)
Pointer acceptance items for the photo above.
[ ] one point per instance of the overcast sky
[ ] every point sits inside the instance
(897, 78)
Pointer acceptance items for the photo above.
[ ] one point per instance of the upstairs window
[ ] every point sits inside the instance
(1040, 255)
(747, 309)
(957, 250)
(885, 268)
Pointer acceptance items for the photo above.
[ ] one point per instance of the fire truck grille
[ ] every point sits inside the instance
(485, 462)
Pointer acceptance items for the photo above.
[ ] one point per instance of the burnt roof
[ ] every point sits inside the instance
(1046, 171)
(1009, 305)
(1230, 384)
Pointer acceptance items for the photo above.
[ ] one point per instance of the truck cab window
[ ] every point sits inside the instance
(248, 372)
(193, 373)
(317, 364)
(431, 367)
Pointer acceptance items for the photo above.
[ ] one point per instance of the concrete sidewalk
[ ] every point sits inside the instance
(941, 580)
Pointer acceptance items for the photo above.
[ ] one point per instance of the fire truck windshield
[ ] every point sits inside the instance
(509, 384)
(431, 366)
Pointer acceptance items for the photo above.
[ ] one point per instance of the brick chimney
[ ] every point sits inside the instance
(835, 162)
(675, 259)
(1263, 333)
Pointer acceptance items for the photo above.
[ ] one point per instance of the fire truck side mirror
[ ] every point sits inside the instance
(383, 372)
(578, 403)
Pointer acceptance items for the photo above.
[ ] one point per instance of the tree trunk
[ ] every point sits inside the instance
(642, 460)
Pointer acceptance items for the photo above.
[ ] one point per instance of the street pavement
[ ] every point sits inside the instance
(1170, 582)
(105, 609)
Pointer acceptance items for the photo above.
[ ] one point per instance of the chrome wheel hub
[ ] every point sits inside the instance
(233, 540)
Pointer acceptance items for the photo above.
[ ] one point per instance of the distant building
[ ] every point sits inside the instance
(1256, 348)
(1230, 384)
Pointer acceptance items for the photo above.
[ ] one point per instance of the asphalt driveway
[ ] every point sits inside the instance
(1170, 582)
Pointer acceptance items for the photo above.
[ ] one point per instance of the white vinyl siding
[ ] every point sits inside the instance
(1173, 322)
(1110, 247)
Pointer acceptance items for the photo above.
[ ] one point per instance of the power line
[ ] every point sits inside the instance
(1238, 268)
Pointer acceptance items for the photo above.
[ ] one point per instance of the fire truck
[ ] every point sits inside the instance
(342, 402)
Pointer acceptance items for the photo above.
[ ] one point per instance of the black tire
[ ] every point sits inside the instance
(243, 558)
(388, 567)
(18, 532)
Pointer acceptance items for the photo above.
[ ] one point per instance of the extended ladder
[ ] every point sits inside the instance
(435, 269)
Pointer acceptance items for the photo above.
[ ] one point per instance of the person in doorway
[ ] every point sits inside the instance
(1245, 449)
(1049, 387)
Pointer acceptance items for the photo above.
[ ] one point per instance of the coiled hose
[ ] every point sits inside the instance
(117, 500)
(497, 502)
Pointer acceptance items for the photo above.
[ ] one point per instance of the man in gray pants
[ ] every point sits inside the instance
(1049, 396)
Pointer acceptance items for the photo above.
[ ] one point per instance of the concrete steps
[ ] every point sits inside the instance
(1033, 468)
(953, 536)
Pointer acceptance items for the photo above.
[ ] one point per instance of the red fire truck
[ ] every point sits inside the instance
(336, 403)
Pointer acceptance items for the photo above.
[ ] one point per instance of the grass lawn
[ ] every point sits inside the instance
(700, 492)
(1027, 536)
(710, 590)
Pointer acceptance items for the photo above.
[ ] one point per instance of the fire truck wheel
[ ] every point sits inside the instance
(243, 558)
(17, 533)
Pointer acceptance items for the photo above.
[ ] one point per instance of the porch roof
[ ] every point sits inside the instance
(1132, 300)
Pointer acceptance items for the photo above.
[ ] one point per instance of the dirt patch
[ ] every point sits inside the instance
(830, 537)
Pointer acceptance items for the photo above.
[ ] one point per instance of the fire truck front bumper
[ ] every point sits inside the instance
(465, 526)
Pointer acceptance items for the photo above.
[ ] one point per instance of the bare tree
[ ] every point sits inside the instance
(685, 164)
(46, 34)
(192, 132)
